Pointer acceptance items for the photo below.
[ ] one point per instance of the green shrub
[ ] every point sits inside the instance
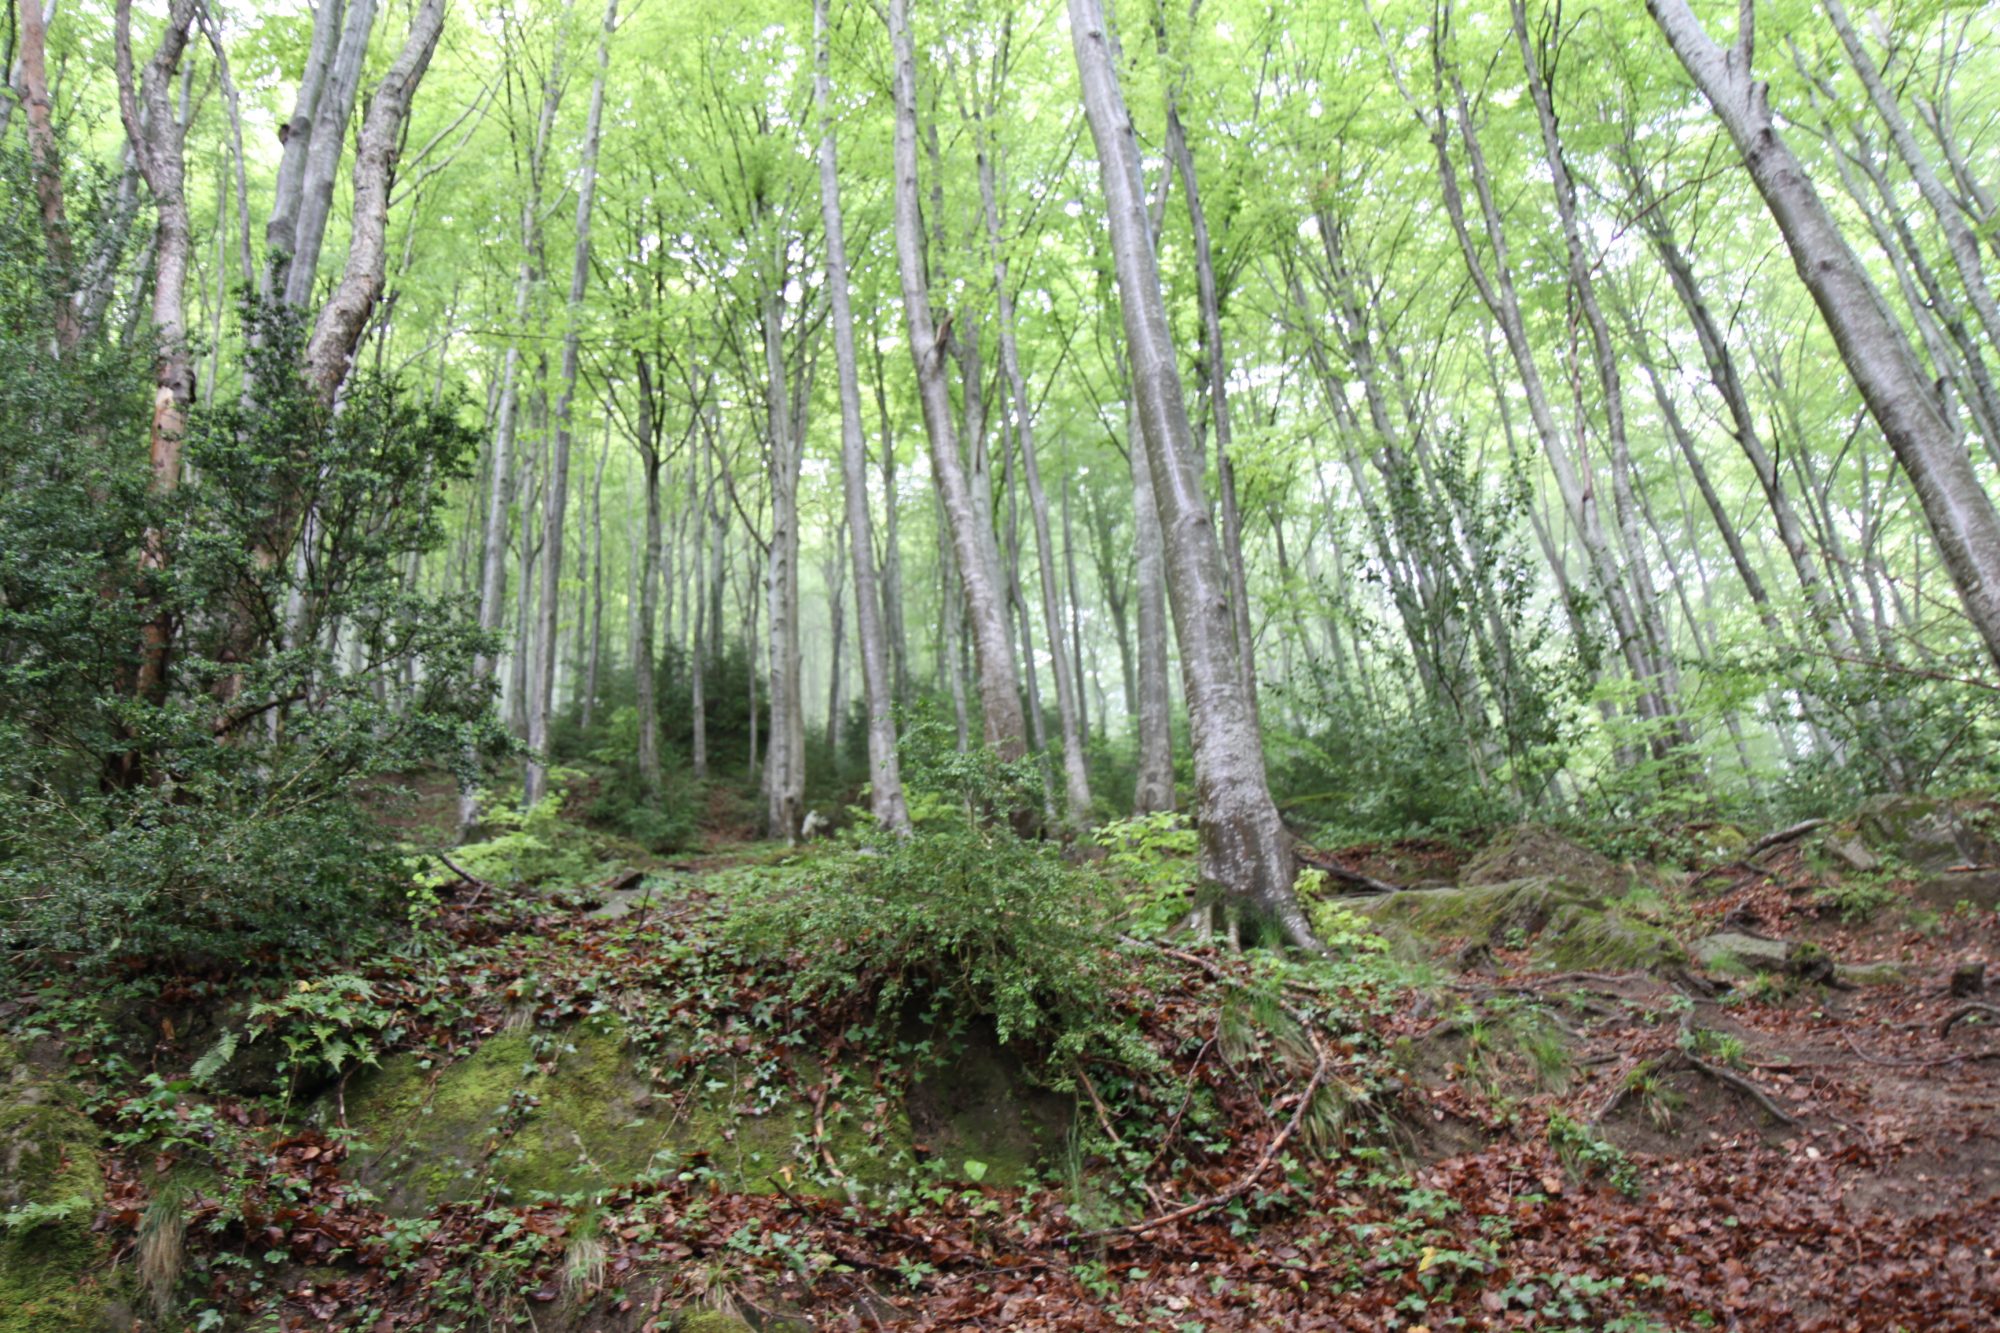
(963, 922)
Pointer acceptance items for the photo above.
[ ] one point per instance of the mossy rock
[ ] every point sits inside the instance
(1927, 834)
(498, 1119)
(1565, 925)
(1533, 852)
(53, 1267)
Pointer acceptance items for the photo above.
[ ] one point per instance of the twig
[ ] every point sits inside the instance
(1117, 1140)
(1964, 1011)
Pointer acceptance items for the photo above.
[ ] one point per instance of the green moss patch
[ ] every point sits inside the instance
(52, 1266)
(1563, 924)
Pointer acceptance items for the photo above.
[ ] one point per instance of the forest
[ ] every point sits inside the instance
(1043, 664)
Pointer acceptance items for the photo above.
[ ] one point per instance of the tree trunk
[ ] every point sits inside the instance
(1076, 778)
(784, 768)
(885, 782)
(1875, 350)
(158, 142)
(1244, 847)
(46, 163)
(1005, 726)
(556, 499)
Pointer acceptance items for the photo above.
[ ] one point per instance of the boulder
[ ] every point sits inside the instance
(1731, 951)
(1563, 924)
(1533, 852)
(581, 1114)
(1924, 833)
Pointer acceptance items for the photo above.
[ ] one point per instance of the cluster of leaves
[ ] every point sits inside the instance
(181, 736)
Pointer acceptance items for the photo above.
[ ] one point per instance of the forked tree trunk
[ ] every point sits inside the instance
(1244, 847)
(1874, 348)
(1005, 725)
(885, 782)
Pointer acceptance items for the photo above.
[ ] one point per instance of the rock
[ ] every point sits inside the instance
(55, 1274)
(1852, 853)
(1734, 952)
(1563, 924)
(816, 825)
(1530, 851)
(499, 1120)
(1870, 974)
(1981, 888)
(1924, 833)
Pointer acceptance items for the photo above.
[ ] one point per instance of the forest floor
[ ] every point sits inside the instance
(596, 1107)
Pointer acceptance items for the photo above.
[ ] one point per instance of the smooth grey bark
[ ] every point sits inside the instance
(1959, 236)
(342, 320)
(785, 759)
(295, 136)
(1153, 787)
(1215, 358)
(1004, 724)
(1646, 601)
(1244, 847)
(556, 497)
(885, 781)
(1076, 777)
(1495, 285)
(593, 651)
(892, 550)
(645, 686)
(1875, 350)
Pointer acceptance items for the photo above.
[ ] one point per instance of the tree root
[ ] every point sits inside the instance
(1965, 1011)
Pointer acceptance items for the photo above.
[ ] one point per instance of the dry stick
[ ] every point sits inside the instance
(1964, 1011)
(1117, 1140)
(1354, 877)
(1248, 1180)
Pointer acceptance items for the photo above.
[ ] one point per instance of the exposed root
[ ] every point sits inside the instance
(1963, 1012)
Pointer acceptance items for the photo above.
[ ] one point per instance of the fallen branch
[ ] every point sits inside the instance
(479, 886)
(1367, 883)
(1782, 836)
(1965, 1011)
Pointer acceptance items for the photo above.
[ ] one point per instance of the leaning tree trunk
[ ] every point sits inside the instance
(885, 782)
(1244, 847)
(1874, 348)
(1006, 728)
(556, 497)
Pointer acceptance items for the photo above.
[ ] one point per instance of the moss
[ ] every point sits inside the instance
(1564, 924)
(52, 1266)
(709, 1321)
(497, 1119)
(1531, 852)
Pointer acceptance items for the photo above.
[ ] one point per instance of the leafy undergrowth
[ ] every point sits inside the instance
(1252, 1143)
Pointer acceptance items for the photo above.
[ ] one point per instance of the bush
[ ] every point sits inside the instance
(961, 923)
